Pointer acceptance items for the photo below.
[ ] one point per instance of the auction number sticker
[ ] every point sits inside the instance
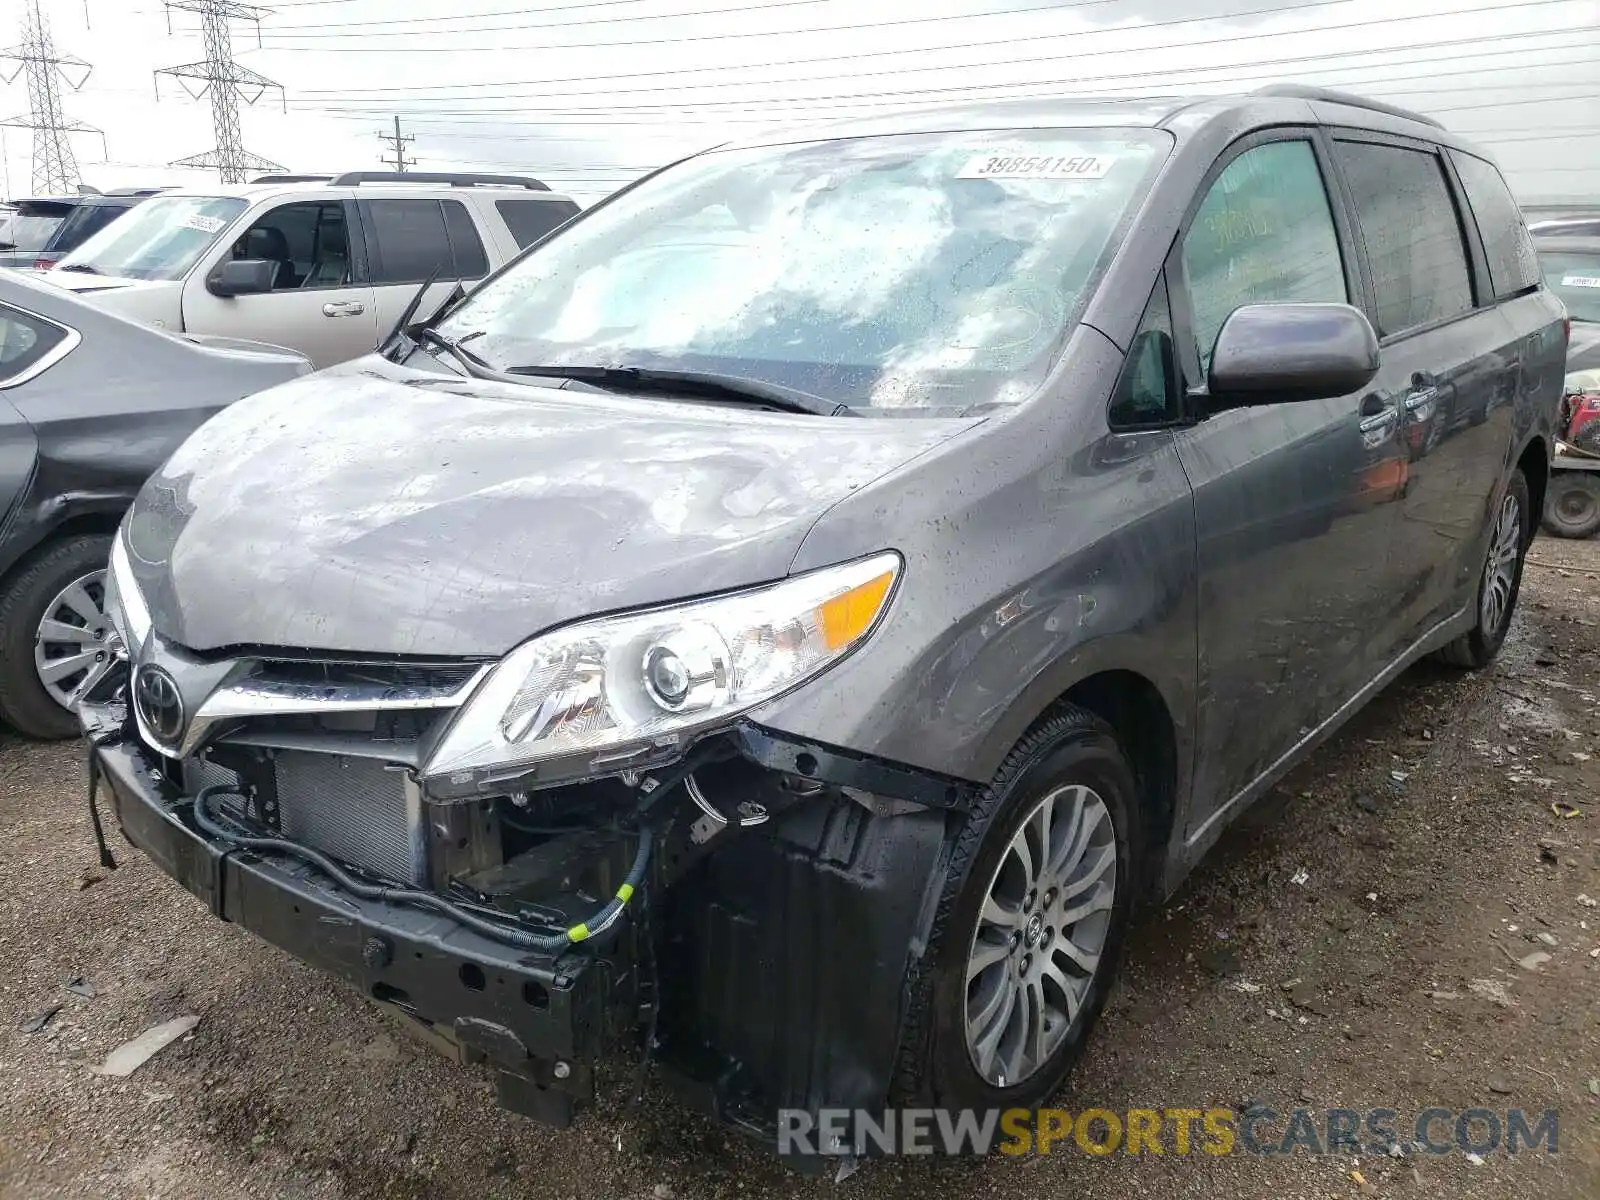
(1036, 166)
(1590, 281)
(203, 224)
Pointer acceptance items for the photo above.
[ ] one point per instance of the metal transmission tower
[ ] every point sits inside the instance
(397, 146)
(228, 83)
(55, 167)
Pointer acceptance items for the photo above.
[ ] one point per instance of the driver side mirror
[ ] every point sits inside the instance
(243, 277)
(1282, 353)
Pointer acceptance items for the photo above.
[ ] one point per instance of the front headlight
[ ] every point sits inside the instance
(124, 603)
(609, 693)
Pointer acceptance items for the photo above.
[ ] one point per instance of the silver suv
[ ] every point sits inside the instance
(322, 264)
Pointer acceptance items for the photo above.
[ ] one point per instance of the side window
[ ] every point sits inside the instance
(1146, 391)
(308, 241)
(24, 340)
(1513, 264)
(471, 260)
(1412, 233)
(1264, 233)
(530, 220)
(411, 239)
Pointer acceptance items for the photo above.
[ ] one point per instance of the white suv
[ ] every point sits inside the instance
(321, 264)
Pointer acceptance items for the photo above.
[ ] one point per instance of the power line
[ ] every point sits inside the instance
(397, 146)
(228, 83)
(55, 166)
(294, 31)
(1010, 61)
(772, 33)
(922, 96)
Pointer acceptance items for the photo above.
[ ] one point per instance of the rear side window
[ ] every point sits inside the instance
(411, 240)
(1513, 265)
(530, 220)
(24, 340)
(1412, 234)
(471, 260)
(1263, 234)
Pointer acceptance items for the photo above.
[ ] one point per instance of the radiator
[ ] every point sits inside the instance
(354, 809)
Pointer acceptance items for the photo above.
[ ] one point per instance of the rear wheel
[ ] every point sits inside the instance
(1500, 581)
(53, 636)
(1030, 923)
(1573, 507)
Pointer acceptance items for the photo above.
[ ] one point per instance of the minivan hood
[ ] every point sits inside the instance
(372, 509)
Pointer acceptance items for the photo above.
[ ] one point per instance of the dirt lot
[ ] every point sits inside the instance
(1435, 862)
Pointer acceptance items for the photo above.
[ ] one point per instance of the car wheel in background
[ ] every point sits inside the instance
(1499, 582)
(1572, 509)
(1030, 923)
(54, 637)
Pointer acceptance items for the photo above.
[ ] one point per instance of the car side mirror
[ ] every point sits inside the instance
(1281, 353)
(243, 277)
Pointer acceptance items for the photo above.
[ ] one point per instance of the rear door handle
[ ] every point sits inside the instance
(343, 308)
(1421, 398)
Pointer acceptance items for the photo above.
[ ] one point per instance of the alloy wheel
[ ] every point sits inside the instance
(72, 646)
(1044, 924)
(1500, 572)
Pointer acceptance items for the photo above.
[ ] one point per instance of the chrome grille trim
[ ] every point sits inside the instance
(261, 696)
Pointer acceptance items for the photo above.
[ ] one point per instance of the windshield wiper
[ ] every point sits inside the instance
(706, 385)
(470, 362)
(85, 268)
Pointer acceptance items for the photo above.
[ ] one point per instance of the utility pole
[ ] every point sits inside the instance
(55, 167)
(397, 146)
(226, 81)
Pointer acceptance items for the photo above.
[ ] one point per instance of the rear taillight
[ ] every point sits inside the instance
(1566, 325)
(43, 264)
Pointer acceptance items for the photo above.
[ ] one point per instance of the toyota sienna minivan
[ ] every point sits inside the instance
(779, 628)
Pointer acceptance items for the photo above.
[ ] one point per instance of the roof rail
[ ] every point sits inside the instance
(352, 178)
(291, 178)
(1301, 91)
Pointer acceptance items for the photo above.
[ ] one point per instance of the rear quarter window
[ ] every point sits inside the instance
(1513, 264)
(530, 220)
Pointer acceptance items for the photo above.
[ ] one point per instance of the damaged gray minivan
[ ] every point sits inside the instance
(781, 625)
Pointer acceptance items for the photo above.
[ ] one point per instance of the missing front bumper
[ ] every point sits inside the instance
(541, 1023)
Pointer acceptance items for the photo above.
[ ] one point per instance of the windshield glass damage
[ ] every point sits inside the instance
(916, 271)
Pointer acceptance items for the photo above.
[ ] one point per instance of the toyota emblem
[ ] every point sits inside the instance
(159, 703)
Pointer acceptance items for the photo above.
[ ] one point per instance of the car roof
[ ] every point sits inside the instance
(1183, 114)
(1568, 244)
(273, 190)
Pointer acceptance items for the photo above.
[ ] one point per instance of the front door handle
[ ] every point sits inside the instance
(343, 308)
(1377, 423)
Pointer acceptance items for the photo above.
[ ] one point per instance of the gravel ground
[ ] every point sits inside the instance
(1435, 863)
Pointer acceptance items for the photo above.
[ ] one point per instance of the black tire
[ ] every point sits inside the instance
(1069, 746)
(1476, 648)
(1572, 510)
(24, 702)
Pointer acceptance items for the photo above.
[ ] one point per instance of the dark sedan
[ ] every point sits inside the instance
(90, 405)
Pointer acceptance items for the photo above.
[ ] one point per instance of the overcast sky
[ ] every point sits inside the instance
(589, 93)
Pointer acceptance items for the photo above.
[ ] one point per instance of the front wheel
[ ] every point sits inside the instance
(1500, 582)
(1573, 508)
(1030, 923)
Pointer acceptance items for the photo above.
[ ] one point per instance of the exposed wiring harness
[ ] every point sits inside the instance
(547, 943)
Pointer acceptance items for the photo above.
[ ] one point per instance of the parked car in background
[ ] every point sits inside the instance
(32, 225)
(323, 266)
(1570, 264)
(91, 214)
(90, 404)
(877, 556)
